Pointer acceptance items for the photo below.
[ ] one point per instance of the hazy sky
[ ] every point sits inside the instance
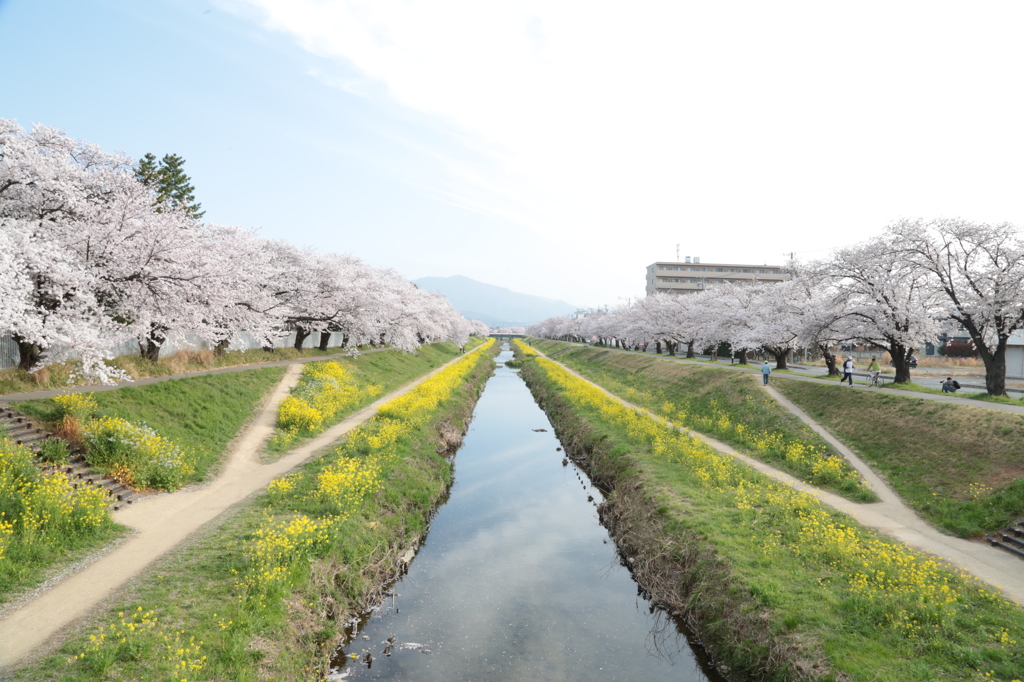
(555, 148)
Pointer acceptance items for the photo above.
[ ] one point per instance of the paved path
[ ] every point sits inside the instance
(161, 522)
(50, 393)
(999, 569)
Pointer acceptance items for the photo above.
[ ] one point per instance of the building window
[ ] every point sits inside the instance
(761, 272)
(746, 269)
(719, 270)
(664, 279)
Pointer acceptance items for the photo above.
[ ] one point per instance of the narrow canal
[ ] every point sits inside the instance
(517, 580)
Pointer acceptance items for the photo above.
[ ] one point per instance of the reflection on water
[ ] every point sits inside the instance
(517, 580)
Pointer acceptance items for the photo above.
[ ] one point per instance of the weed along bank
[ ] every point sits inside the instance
(776, 584)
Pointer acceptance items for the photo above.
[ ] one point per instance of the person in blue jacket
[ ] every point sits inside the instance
(765, 371)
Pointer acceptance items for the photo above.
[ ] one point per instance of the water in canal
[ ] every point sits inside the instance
(517, 580)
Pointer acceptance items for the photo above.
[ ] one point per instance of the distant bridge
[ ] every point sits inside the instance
(507, 336)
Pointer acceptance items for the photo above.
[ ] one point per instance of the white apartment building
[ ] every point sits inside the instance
(691, 275)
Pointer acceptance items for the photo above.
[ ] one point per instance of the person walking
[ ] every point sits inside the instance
(765, 371)
(847, 371)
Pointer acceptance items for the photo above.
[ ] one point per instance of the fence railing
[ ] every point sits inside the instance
(180, 341)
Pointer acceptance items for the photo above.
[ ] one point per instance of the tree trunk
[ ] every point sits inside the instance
(742, 356)
(995, 367)
(325, 338)
(994, 359)
(657, 347)
(901, 361)
(830, 360)
(690, 354)
(300, 337)
(222, 347)
(671, 345)
(780, 356)
(149, 348)
(29, 354)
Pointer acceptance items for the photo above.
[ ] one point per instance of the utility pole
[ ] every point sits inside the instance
(677, 253)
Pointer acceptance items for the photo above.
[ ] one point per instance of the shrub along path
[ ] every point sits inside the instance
(889, 515)
(162, 521)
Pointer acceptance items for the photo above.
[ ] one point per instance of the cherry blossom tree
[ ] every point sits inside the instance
(888, 302)
(979, 271)
(90, 256)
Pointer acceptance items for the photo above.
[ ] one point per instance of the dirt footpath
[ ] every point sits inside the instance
(162, 521)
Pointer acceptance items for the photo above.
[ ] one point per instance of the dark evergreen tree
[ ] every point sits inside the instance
(148, 171)
(168, 179)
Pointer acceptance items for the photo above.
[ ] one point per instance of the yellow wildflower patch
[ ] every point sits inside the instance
(43, 508)
(325, 390)
(358, 470)
(145, 457)
(78, 405)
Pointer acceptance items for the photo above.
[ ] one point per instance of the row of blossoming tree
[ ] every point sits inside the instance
(895, 293)
(90, 258)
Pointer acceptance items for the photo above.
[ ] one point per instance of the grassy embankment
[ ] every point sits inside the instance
(268, 594)
(777, 585)
(720, 403)
(960, 467)
(199, 415)
(64, 374)
(49, 525)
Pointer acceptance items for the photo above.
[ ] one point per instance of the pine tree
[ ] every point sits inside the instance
(169, 181)
(148, 172)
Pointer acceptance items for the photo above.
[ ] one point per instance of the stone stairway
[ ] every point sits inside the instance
(23, 430)
(1011, 539)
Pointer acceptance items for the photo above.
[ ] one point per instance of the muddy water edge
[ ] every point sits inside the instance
(517, 579)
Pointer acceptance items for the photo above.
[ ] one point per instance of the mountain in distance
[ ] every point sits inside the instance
(494, 306)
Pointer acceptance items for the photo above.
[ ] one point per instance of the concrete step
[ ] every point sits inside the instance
(20, 430)
(1010, 538)
(32, 437)
(23, 430)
